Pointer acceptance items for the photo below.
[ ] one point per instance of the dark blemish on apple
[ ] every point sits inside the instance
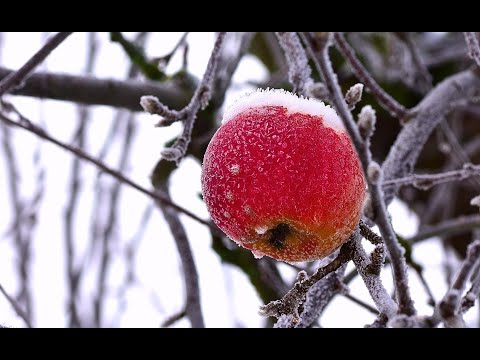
(278, 235)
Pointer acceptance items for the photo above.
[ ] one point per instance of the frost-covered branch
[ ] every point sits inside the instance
(15, 79)
(473, 47)
(317, 46)
(319, 296)
(404, 153)
(427, 181)
(289, 304)
(384, 99)
(368, 234)
(299, 72)
(188, 114)
(317, 299)
(472, 295)
(372, 280)
(450, 306)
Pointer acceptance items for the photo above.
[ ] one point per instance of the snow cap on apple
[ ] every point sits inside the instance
(281, 177)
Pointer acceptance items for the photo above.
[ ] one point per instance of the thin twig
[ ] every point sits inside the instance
(419, 271)
(384, 99)
(228, 64)
(457, 150)
(16, 307)
(23, 219)
(450, 306)
(74, 193)
(173, 318)
(188, 114)
(422, 73)
(193, 307)
(361, 303)
(427, 181)
(473, 46)
(319, 296)
(288, 305)
(129, 253)
(164, 60)
(472, 295)
(15, 79)
(447, 228)
(112, 200)
(111, 196)
(30, 127)
(369, 234)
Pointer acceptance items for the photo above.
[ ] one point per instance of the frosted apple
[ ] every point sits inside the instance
(281, 177)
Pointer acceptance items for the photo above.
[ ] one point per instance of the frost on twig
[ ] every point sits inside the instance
(289, 304)
(320, 295)
(368, 234)
(473, 47)
(450, 308)
(299, 72)
(188, 114)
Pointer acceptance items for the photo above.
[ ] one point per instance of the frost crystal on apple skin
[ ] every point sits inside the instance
(293, 103)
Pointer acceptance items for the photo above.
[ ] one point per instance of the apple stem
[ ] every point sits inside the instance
(278, 235)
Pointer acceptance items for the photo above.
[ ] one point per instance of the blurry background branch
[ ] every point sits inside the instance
(94, 91)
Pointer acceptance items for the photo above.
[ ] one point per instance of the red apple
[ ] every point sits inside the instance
(281, 177)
